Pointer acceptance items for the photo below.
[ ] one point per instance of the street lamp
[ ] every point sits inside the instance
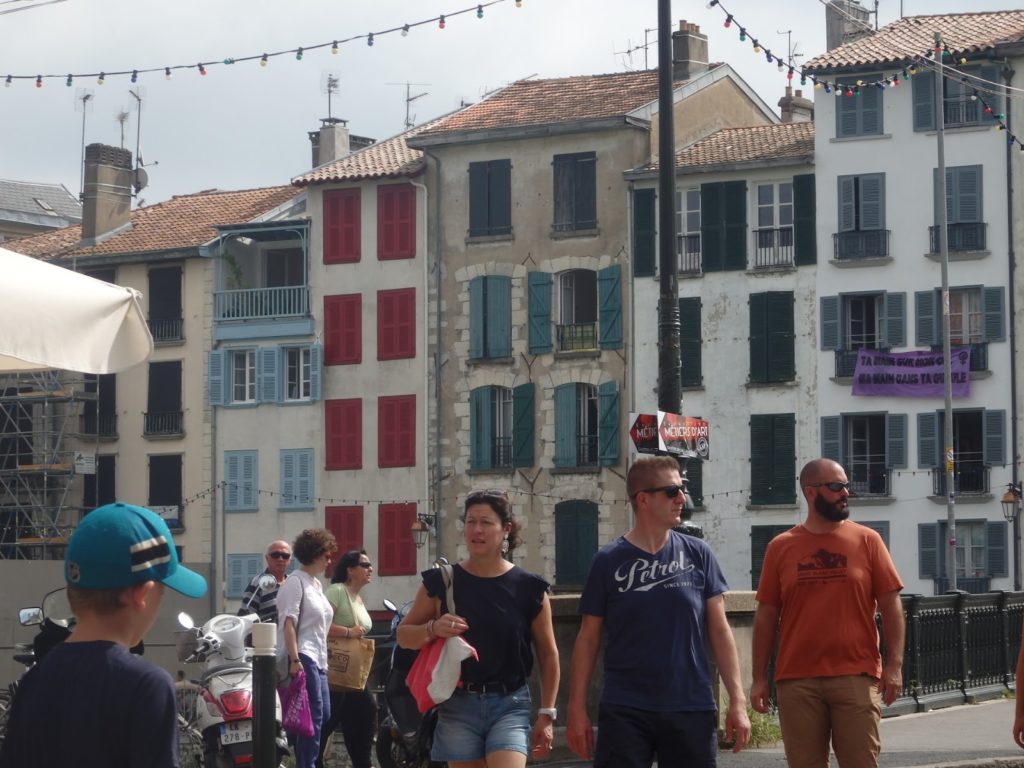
(421, 527)
(1011, 511)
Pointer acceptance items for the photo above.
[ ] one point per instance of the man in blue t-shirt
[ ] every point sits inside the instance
(655, 595)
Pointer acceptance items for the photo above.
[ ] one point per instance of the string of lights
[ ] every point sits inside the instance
(299, 52)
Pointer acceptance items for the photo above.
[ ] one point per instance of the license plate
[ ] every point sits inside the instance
(236, 733)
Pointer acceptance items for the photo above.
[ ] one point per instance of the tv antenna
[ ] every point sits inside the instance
(410, 119)
(141, 177)
(83, 102)
(628, 53)
(122, 119)
(330, 84)
(793, 50)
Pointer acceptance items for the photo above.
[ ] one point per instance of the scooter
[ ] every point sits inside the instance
(224, 709)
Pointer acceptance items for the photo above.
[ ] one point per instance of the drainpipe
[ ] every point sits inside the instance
(426, 340)
(438, 527)
(1014, 421)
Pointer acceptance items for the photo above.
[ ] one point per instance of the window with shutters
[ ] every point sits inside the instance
(396, 551)
(343, 329)
(346, 523)
(723, 230)
(977, 317)
(241, 481)
(965, 220)
(868, 446)
(396, 324)
(690, 340)
(343, 434)
(490, 198)
(979, 443)
(296, 490)
(575, 192)
(858, 109)
(773, 238)
(99, 489)
(760, 535)
(342, 226)
(960, 106)
(490, 317)
(852, 322)
(164, 416)
(297, 373)
(981, 551)
(99, 417)
(577, 310)
(396, 431)
(165, 497)
(243, 375)
(240, 571)
(772, 338)
(862, 233)
(396, 221)
(575, 541)
(501, 427)
(688, 231)
(165, 314)
(586, 425)
(773, 458)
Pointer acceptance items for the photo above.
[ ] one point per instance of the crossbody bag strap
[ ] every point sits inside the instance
(448, 576)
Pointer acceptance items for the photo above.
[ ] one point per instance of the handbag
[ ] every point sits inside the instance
(348, 662)
(295, 715)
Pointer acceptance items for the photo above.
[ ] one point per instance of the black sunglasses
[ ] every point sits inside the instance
(670, 490)
(281, 555)
(835, 486)
(364, 565)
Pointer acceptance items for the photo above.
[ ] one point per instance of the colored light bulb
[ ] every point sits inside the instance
(68, 83)
(440, 22)
(264, 60)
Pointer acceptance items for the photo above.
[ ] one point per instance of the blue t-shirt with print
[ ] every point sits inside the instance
(653, 608)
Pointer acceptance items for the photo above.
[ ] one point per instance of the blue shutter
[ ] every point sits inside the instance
(480, 428)
(927, 440)
(996, 551)
(872, 201)
(540, 312)
(304, 478)
(216, 392)
(499, 317)
(992, 305)
(896, 441)
(477, 328)
(316, 357)
(994, 437)
(894, 326)
(609, 291)
(928, 551)
(287, 489)
(831, 438)
(847, 204)
(965, 186)
(240, 481)
(869, 104)
(565, 425)
(248, 478)
(608, 423)
(522, 425)
(267, 384)
(644, 233)
(241, 570)
(499, 194)
(831, 337)
(924, 101)
(232, 476)
(846, 115)
(926, 332)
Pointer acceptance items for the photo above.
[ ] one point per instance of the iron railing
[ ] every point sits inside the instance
(773, 248)
(970, 476)
(967, 236)
(501, 452)
(861, 244)
(688, 254)
(167, 328)
(577, 337)
(586, 451)
(163, 424)
(972, 584)
(869, 476)
(846, 361)
(255, 303)
(101, 425)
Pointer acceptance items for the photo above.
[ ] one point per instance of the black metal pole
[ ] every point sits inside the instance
(264, 696)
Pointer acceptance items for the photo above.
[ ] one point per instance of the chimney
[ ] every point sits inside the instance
(331, 142)
(796, 109)
(689, 52)
(107, 192)
(845, 21)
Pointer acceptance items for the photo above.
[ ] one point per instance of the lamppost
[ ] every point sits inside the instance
(1011, 511)
(421, 528)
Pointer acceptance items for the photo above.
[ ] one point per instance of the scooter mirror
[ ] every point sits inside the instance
(29, 616)
(186, 621)
(266, 582)
(390, 606)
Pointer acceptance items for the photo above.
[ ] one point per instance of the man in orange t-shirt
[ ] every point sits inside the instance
(821, 584)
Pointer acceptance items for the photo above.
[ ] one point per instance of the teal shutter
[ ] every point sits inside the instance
(926, 332)
(924, 101)
(928, 552)
(695, 481)
(296, 479)
(316, 358)
(872, 201)
(216, 378)
(831, 438)
(609, 292)
(522, 425)
(869, 104)
(996, 550)
(896, 440)
(847, 204)
(481, 432)
(232, 474)
(928, 440)
(831, 337)
(608, 423)
(241, 570)
(994, 438)
(894, 326)
(540, 312)
(565, 425)
(575, 541)
(805, 233)
(992, 305)
(267, 384)
(963, 184)
(773, 459)
(499, 207)
(289, 473)
(644, 232)
(712, 227)
(499, 317)
(479, 221)
(477, 327)
(736, 225)
(758, 337)
(690, 342)
(781, 338)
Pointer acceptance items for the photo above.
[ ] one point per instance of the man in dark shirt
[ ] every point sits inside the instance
(255, 599)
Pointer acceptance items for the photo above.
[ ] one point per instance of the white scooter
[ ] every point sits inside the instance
(223, 712)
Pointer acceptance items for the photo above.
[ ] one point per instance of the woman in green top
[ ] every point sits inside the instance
(355, 711)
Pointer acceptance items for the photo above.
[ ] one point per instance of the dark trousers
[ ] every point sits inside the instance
(635, 738)
(356, 713)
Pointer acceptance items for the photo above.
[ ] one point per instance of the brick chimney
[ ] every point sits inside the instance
(107, 192)
(845, 21)
(795, 108)
(689, 52)
(331, 142)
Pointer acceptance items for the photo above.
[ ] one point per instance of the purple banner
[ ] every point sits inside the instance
(910, 374)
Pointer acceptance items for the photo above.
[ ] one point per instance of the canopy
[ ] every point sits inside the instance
(51, 317)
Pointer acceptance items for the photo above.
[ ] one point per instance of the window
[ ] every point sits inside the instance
(243, 375)
(577, 327)
(862, 233)
(396, 431)
(965, 222)
(688, 231)
(861, 321)
(979, 442)
(859, 110)
(285, 267)
(981, 551)
(100, 417)
(297, 373)
(773, 237)
(165, 320)
(645, 232)
(690, 342)
(575, 541)
(98, 489)
(773, 458)
(869, 446)
(586, 425)
(296, 479)
(343, 329)
(490, 317)
(760, 535)
(396, 551)
(165, 489)
(342, 226)
(396, 324)
(589, 309)
(346, 523)
(396, 221)
(343, 434)
(241, 570)
(771, 337)
(723, 232)
(490, 198)
(959, 108)
(241, 481)
(501, 427)
(976, 318)
(575, 192)
(695, 481)
(164, 417)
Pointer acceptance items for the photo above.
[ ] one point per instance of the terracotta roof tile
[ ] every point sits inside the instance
(912, 36)
(757, 143)
(184, 221)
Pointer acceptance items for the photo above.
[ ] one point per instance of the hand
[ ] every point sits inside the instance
(1018, 730)
(294, 666)
(890, 684)
(760, 696)
(737, 725)
(449, 625)
(356, 631)
(580, 734)
(543, 737)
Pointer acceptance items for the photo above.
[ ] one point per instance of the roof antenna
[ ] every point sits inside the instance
(141, 177)
(330, 85)
(83, 96)
(122, 118)
(410, 120)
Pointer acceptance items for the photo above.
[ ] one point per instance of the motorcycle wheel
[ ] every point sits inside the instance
(190, 745)
(391, 753)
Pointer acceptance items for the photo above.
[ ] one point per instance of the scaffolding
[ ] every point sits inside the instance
(40, 419)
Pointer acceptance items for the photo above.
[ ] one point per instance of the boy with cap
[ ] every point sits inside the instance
(90, 702)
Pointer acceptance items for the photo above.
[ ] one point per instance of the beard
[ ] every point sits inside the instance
(832, 512)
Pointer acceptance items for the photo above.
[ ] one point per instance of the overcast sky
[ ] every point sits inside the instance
(244, 126)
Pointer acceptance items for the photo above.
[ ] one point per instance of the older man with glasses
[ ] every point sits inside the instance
(257, 599)
(821, 584)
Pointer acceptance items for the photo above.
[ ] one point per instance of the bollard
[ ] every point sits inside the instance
(264, 696)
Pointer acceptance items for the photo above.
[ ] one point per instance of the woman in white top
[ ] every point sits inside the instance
(305, 615)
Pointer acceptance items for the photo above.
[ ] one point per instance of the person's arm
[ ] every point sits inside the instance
(579, 730)
(547, 659)
(418, 625)
(291, 644)
(723, 648)
(766, 627)
(893, 628)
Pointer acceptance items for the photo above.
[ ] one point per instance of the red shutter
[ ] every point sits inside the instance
(396, 327)
(346, 523)
(343, 329)
(343, 434)
(396, 431)
(396, 551)
(341, 226)
(396, 221)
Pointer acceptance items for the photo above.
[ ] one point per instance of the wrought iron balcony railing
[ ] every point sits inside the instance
(163, 424)
(967, 236)
(861, 244)
(578, 337)
(773, 248)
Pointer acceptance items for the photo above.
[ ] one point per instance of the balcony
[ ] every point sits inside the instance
(688, 254)
(970, 477)
(163, 424)
(974, 585)
(586, 451)
(102, 426)
(167, 329)
(501, 453)
(578, 337)
(967, 236)
(869, 476)
(861, 244)
(961, 111)
(773, 248)
(261, 303)
(846, 362)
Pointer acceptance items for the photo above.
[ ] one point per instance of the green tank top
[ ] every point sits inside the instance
(347, 613)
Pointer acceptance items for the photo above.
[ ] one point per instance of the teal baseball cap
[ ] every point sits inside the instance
(120, 545)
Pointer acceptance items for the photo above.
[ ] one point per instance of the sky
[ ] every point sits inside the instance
(242, 126)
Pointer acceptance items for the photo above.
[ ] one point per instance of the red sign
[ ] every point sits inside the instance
(671, 433)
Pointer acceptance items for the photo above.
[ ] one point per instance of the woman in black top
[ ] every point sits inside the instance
(504, 612)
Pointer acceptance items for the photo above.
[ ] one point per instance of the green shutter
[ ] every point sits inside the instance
(481, 433)
(760, 459)
(477, 325)
(928, 552)
(872, 201)
(608, 423)
(217, 378)
(267, 384)
(540, 312)
(831, 438)
(575, 541)
(831, 336)
(996, 550)
(479, 223)
(896, 441)
(924, 101)
(609, 292)
(695, 481)
(522, 425)
(805, 233)
(585, 192)
(926, 330)
(784, 459)
(735, 225)
(690, 342)
(992, 305)
(565, 425)
(712, 227)
(498, 340)
(781, 352)
(644, 233)
(758, 337)
(847, 204)
(928, 440)
(894, 326)
(994, 437)
(499, 207)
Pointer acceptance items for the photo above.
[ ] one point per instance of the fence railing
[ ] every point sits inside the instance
(861, 244)
(968, 236)
(163, 423)
(252, 303)
(578, 337)
(970, 476)
(773, 248)
(586, 451)
(688, 254)
(167, 328)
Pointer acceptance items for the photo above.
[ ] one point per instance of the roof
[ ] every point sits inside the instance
(756, 144)
(913, 36)
(184, 221)
(45, 200)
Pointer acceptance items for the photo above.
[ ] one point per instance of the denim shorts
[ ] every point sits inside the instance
(471, 726)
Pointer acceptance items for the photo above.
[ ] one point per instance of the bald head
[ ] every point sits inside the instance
(817, 471)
